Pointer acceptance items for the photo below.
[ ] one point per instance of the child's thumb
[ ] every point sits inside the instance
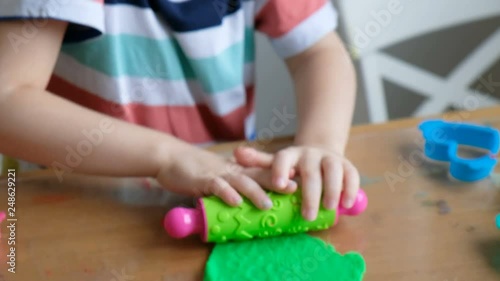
(250, 157)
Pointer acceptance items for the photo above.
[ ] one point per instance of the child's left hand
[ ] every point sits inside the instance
(322, 171)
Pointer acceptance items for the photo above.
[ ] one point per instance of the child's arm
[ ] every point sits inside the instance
(37, 125)
(40, 127)
(325, 89)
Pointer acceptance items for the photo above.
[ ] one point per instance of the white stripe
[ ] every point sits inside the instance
(207, 42)
(307, 32)
(150, 91)
(83, 12)
(249, 10)
(259, 5)
(249, 74)
(131, 20)
(250, 125)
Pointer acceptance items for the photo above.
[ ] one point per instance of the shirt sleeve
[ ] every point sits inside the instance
(85, 17)
(294, 26)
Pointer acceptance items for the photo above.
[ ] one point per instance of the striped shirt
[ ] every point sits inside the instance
(184, 67)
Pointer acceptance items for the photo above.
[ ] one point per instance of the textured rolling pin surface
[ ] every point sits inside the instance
(247, 222)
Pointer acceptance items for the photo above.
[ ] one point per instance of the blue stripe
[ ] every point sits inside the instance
(10, 18)
(75, 35)
(137, 3)
(189, 15)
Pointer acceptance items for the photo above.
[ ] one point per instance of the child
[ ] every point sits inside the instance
(129, 87)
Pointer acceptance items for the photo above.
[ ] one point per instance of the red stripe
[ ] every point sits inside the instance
(278, 17)
(194, 124)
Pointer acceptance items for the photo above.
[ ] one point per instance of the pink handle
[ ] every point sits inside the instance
(182, 222)
(359, 206)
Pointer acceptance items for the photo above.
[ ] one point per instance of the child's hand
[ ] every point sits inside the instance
(197, 172)
(322, 172)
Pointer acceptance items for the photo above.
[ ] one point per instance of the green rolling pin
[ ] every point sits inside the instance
(215, 221)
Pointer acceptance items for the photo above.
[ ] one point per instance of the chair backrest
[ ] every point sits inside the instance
(374, 24)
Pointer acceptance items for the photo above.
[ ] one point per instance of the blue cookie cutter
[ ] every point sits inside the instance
(443, 138)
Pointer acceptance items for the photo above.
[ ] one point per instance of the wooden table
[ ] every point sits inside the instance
(87, 228)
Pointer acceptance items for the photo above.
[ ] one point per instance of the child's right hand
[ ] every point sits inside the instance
(197, 172)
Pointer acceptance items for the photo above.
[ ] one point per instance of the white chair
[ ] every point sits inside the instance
(370, 26)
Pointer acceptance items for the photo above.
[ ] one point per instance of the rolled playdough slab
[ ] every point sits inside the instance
(286, 258)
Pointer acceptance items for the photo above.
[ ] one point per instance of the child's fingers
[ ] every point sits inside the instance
(250, 157)
(251, 190)
(283, 167)
(310, 171)
(263, 178)
(351, 180)
(290, 188)
(332, 175)
(221, 188)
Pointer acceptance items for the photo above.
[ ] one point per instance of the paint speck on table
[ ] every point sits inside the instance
(488, 124)
(470, 229)
(428, 203)
(435, 169)
(495, 179)
(376, 218)
(51, 199)
(365, 180)
(48, 273)
(421, 194)
(443, 207)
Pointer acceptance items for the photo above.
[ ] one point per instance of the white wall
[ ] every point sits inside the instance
(274, 89)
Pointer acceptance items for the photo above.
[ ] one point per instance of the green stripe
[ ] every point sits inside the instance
(137, 56)
(249, 45)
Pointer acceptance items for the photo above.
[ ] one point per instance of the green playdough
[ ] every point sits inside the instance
(286, 258)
